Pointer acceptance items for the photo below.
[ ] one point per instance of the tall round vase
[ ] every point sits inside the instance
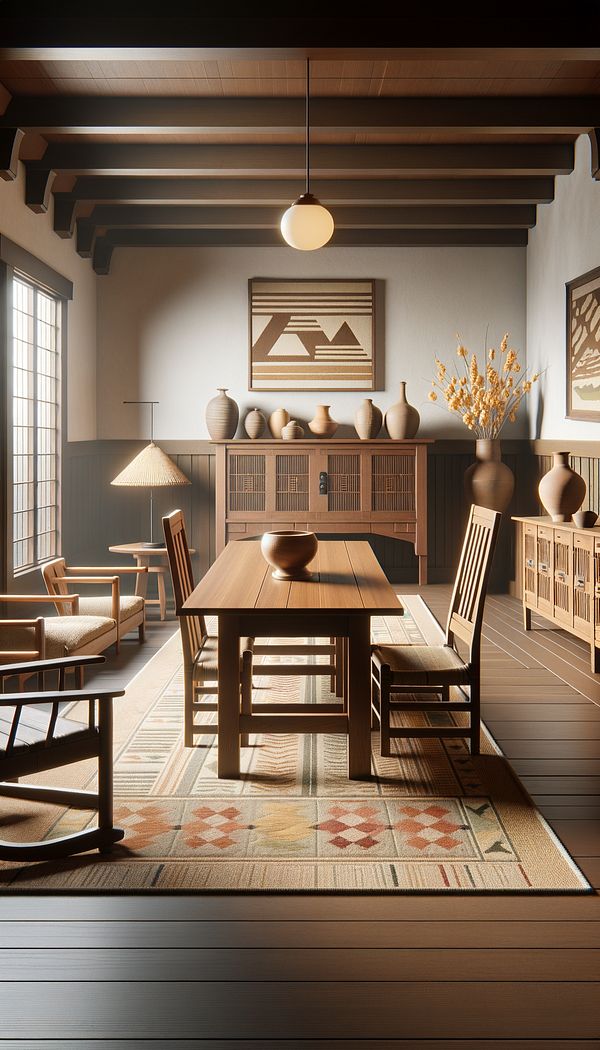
(278, 420)
(562, 490)
(222, 416)
(488, 481)
(368, 420)
(322, 425)
(402, 420)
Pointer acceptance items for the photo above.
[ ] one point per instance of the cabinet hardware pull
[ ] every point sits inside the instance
(580, 581)
(323, 483)
(543, 566)
(530, 563)
(560, 575)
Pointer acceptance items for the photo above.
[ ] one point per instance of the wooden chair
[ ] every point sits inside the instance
(127, 611)
(200, 648)
(34, 737)
(72, 635)
(402, 669)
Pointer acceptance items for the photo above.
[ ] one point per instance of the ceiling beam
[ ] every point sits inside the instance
(132, 190)
(104, 244)
(256, 217)
(10, 142)
(60, 114)
(327, 161)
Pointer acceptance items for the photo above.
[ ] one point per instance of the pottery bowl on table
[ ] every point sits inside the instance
(289, 553)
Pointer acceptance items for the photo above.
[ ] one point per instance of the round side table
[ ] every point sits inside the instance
(143, 556)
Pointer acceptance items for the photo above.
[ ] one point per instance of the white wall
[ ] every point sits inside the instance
(564, 244)
(35, 234)
(173, 325)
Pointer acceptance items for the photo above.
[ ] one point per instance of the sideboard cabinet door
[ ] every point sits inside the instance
(563, 577)
(545, 570)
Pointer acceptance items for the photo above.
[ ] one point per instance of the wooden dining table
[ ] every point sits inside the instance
(347, 587)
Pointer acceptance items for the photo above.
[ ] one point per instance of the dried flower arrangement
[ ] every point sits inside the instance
(484, 398)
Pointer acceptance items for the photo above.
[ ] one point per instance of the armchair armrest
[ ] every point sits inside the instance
(47, 599)
(66, 662)
(86, 579)
(22, 699)
(108, 568)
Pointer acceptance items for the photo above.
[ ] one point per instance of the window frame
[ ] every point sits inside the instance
(17, 262)
(25, 281)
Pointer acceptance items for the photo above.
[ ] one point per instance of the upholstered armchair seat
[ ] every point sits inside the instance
(64, 635)
(129, 605)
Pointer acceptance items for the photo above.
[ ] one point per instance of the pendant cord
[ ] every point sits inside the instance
(308, 125)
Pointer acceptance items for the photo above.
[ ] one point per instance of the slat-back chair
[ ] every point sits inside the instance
(128, 611)
(200, 650)
(34, 739)
(404, 669)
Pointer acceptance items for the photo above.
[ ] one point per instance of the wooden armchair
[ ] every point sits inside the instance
(53, 637)
(414, 669)
(34, 737)
(127, 611)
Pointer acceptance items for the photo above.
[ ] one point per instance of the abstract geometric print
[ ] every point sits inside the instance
(583, 347)
(311, 335)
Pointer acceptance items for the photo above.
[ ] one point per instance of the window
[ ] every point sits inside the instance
(36, 370)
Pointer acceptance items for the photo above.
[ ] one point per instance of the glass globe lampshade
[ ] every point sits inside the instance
(307, 225)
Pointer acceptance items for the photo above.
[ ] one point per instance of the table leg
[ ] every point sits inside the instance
(162, 596)
(359, 699)
(141, 578)
(228, 765)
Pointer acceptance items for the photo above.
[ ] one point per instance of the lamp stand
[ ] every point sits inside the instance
(152, 543)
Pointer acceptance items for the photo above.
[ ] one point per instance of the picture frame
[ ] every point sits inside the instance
(583, 347)
(312, 334)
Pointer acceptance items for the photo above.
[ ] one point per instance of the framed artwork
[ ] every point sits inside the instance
(583, 347)
(312, 335)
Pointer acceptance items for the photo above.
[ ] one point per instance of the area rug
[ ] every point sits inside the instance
(431, 819)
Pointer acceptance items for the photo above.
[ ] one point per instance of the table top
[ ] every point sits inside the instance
(347, 577)
(140, 548)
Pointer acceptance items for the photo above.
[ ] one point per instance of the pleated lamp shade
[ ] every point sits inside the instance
(152, 469)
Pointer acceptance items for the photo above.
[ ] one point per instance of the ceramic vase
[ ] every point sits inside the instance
(402, 420)
(255, 423)
(562, 490)
(292, 430)
(322, 426)
(488, 481)
(368, 420)
(222, 416)
(278, 420)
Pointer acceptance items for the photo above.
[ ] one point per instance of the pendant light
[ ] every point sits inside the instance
(306, 224)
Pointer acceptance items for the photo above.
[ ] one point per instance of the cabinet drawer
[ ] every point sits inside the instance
(544, 532)
(584, 543)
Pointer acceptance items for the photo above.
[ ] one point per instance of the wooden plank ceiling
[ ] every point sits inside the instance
(154, 147)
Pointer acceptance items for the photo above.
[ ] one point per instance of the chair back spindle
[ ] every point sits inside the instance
(465, 616)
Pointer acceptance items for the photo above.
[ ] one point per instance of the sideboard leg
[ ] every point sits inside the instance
(526, 618)
(422, 570)
(595, 654)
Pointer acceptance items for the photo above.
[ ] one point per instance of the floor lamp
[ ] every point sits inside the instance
(151, 469)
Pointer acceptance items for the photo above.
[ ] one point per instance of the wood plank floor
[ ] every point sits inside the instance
(433, 973)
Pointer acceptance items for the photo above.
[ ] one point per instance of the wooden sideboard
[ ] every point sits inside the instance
(334, 486)
(561, 578)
